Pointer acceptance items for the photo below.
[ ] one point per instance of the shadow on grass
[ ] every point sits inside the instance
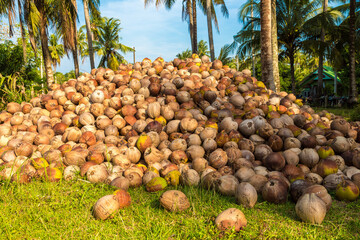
(156, 204)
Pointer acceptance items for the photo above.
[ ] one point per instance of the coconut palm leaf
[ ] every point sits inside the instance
(108, 43)
(184, 55)
(56, 50)
(82, 43)
(224, 55)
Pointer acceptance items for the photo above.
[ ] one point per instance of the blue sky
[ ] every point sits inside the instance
(158, 32)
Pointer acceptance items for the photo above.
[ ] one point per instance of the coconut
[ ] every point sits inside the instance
(153, 155)
(297, 188)
(313, 178)
(190, 177)
(309, 157)
(347, 191)
(77, 158)
(174, 201)
(209, 180)
(97, 174)
(262, 151)
(199, 164)
(135, 179)
(246, 195)
(311, 208)
(275, 191)
(70, 172)
(331, 181)
(218, 158)
(321, 192)
(356, 179)
(226, 185)
(231, 218)
(156, 184)
(247, 127)
(340, 145)
(340, 125)
(106, 207)
(274, 161)
(195, 152)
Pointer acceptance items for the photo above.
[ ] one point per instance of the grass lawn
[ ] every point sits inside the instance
(63, 211)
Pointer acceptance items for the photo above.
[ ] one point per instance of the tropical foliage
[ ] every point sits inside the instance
(19, 80)
(184, 54)
(108, 45)
(202, 50)
(303, 38)
(56, 50)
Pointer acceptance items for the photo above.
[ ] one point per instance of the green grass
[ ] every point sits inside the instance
(63, 211)
(344, 112)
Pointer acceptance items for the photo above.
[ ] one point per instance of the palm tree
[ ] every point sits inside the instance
(39, 15)
(224, 55)
(352, 51)
(188, 14)
(82, 43)
(189, 9)
(250, 8)
(64, 20)
(247, 9)
(266, 50)
(211, 40)
(321, 56)
(184, 55)
(74, 49)
(192, 15)
(108, 44)
(56, 50)
(210, 14)
(22, 30)
(7, 10)
(203, 48)
(343, 42)
(41, 9)
(302, 16)
(90, 6)
(274, 46)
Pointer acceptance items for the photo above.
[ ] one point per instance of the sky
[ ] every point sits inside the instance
(158, 32)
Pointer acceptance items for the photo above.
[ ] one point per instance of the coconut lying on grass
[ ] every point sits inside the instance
(174, 201)
(107, 206)
(231, 218)
(190, 122)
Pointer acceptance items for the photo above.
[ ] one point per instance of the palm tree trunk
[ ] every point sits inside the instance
(353, 92)
(194, 26)
(191, 25)
(292, 71)
(55, 73)
(252, 38)
(75, 50)
(22, 30)
(89, 34)
(210, 33)
(266, 49)
(76, 59)
(45, 48)
(321, 57)
(274, 44)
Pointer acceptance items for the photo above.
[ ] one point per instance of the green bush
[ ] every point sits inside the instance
(355, 115)
(19, 80)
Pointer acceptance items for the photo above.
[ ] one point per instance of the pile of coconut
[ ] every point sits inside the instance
(190, 122)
